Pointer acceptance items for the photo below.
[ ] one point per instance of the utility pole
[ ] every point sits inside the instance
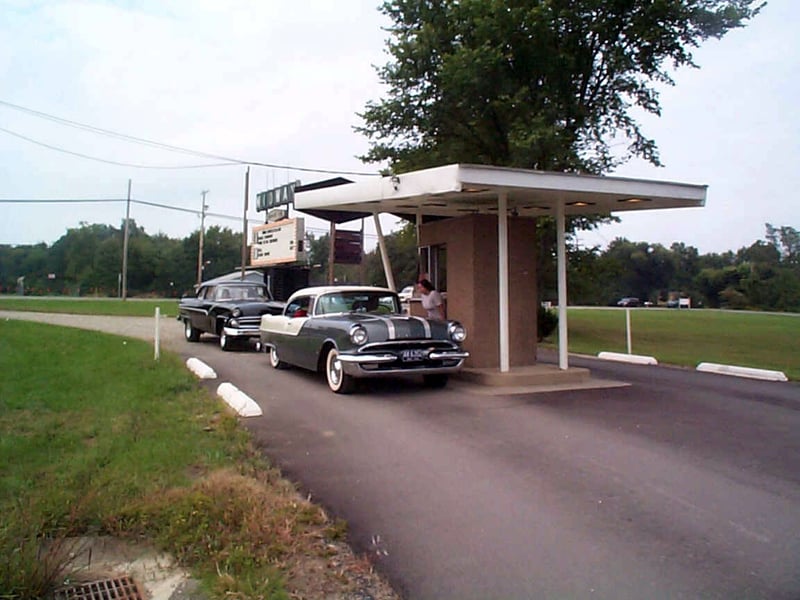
(203, 209)
(244, 221)
(125, 245)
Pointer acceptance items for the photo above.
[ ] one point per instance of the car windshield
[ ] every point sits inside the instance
(255, 293)
(358, 301)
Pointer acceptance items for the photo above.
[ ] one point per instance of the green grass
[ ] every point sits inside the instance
(98, 438)
(91, 306)
(688, 337)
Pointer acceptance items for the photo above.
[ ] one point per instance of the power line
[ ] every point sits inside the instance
(170, 147)
(108, 161)
(58, 200)
(148, 203)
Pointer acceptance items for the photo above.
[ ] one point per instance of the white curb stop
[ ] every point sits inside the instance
(201, 369)
(764, 374)
(238, 400)
(636, 359)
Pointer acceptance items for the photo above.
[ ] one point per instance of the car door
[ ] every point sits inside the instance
(296, 313)
(196, 309)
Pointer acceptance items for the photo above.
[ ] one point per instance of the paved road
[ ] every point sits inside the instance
(680, 485)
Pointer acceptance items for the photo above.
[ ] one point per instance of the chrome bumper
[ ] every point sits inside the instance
(353, 364)
(239, 332)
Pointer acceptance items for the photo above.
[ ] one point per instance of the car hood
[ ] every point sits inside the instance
(399, 327)
(253, 308)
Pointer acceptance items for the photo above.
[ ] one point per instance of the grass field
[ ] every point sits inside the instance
(98, 438)
(91, 306)
(688, 337)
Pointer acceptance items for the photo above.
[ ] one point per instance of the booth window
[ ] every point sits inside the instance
(433, 261)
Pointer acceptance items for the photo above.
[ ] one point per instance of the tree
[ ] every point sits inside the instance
(541, 84)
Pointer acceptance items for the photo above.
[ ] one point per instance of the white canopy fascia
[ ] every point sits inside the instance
(460, 189)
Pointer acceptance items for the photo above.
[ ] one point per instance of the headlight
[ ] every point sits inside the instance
(358, 335)
(457, 332)
(236, 312)
(233, 323)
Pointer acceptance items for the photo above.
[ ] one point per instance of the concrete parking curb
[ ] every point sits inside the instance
(243, 404)
(736, 371)
(201, 369)
(636, 359)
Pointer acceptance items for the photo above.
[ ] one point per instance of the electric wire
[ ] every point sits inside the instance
(151, 204)
(111, 162)
(170, 147)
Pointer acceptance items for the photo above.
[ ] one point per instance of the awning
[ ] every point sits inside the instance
(462, 189)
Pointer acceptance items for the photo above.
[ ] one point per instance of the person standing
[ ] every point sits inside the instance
(431, 300)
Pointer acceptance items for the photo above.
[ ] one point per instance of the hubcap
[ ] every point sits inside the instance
(335, 371)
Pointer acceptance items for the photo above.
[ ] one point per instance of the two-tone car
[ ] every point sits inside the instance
(231, 310)
(354, 332)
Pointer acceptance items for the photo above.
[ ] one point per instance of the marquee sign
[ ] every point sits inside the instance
(282, 195)
(277, 243)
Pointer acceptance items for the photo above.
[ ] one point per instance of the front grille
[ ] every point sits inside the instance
(249, 322)
(120, 588)
(395, 347)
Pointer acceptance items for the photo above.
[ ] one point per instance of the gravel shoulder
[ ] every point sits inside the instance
(170, 331)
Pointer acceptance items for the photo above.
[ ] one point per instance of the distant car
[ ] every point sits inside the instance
(353, 332)
(629, 302)
(231, 310)
(406, 293)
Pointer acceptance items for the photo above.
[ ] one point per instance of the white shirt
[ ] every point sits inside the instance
(432, 302)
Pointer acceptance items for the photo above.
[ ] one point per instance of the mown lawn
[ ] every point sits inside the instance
(688, 337)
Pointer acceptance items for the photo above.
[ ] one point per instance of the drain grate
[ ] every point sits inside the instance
(121, 588)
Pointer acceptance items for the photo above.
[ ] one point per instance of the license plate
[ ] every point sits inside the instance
(413, 355)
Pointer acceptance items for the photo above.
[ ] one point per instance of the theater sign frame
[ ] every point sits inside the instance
(459, 190)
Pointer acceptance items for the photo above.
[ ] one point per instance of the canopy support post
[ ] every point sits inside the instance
(561, 244)
(502, 275)
(387, 268)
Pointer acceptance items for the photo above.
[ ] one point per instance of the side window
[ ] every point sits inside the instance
(298, 307)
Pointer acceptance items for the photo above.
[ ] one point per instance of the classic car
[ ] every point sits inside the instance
(353, 332)
(231, 310)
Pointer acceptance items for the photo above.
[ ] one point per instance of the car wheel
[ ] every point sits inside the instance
(191, 334)
(274, 360)
(224, 341)
(435, 381)
(339, 381)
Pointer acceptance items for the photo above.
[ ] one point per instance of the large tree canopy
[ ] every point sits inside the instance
(542, 84)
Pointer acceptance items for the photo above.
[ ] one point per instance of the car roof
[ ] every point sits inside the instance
(234, 283)
(327, 289)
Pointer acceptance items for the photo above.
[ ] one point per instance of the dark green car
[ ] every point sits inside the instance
(354, 332)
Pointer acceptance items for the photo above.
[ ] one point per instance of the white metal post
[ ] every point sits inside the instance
(502, 273)
(628, 327)
(157, 337)
(387, 267)
(561, 245)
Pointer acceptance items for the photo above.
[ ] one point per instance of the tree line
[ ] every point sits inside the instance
(87, 261)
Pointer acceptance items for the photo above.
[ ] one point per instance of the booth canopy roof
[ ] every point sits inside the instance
(462, 189)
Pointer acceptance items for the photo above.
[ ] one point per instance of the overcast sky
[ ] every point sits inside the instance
(281, 82)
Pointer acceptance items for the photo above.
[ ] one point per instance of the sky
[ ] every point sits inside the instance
(280, 83)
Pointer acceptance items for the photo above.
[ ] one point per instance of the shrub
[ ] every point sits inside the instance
(546, 322)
